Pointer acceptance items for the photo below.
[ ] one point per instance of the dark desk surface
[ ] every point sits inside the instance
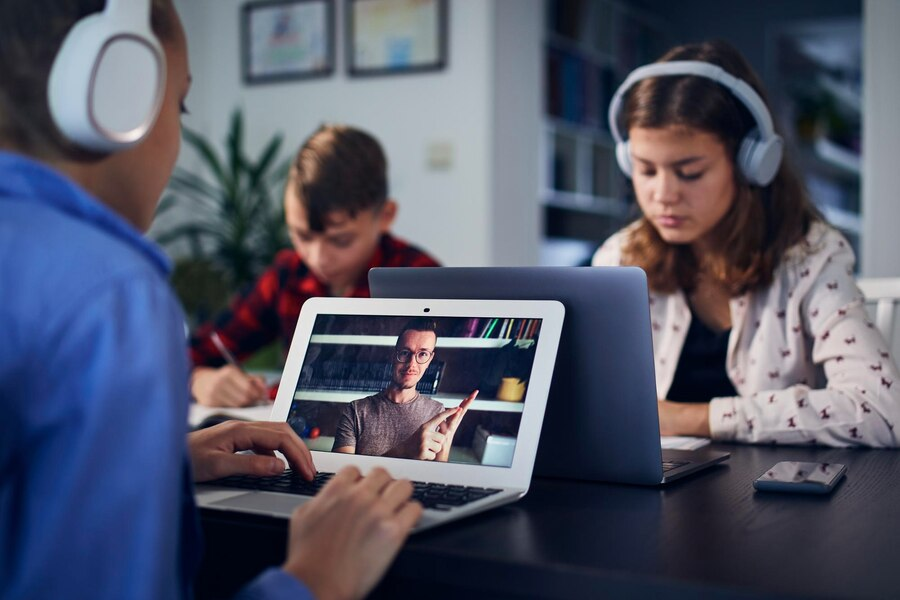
(709, 534)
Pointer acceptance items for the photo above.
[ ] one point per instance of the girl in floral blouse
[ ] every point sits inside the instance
(759, 330)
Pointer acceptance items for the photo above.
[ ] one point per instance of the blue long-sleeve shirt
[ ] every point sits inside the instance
(95, 491)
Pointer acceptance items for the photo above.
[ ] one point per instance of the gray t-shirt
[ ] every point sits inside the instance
(374, 424)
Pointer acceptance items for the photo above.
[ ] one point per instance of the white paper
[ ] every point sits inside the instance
(682, 442)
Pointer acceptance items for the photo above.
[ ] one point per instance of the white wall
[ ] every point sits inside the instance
(446, 211)
(881, 139)
(516, 129)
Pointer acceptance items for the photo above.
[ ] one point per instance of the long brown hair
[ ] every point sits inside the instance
(761, 224)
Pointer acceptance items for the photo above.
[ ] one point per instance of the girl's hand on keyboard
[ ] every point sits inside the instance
(214, 450)
(343, 540)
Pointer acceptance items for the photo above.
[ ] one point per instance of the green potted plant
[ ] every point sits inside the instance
(231, 220)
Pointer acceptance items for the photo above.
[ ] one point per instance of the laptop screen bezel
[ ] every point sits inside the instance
(518, 474)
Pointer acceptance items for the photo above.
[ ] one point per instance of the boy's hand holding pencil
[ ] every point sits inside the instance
(227, 386)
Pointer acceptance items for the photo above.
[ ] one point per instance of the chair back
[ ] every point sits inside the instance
(884, 293)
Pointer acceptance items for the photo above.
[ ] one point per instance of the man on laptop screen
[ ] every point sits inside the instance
(399, 421)
(350, 354)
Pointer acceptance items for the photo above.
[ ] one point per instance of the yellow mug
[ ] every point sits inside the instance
(511, 389)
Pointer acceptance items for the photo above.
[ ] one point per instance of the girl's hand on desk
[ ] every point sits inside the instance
(684, 418)
(227, 386)
(213, 450)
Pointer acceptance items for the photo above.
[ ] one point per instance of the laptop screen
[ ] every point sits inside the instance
(389, 385)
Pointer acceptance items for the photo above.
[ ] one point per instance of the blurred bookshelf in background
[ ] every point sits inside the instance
(816, 67)
(590, 47)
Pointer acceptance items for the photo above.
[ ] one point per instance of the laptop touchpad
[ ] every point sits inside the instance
(279, 505)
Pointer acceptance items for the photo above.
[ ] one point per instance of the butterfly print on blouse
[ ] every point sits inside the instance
(850, 340)
(792, 423)
(876, 367)
(854, 433)
(886, 382)
(823, 414)
(838, 359)
(884, 354)
(774, 374)
(801, 402)
(865, 407)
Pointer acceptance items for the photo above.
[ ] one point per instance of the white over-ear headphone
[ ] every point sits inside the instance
(108, 79)
(759, 155)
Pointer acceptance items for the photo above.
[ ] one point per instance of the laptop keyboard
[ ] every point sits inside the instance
(436, 496)
(668, 465)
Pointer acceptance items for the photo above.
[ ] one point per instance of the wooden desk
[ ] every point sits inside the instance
(708, 535)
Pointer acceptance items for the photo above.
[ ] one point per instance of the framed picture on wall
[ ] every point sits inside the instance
(387, 37)
(287, 39)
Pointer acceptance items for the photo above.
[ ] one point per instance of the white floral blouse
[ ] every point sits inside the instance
(807, 362)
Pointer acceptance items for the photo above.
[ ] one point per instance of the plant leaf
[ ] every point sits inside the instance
(166, 203)
(258, 171)
(205, 151)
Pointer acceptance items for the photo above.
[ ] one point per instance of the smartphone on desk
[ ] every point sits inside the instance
(804, 477)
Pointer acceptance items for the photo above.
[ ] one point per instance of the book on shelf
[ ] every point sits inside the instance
(363, 376)
(509, 329)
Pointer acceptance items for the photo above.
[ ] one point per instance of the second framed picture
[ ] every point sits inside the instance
(287, 39)
(387, 37)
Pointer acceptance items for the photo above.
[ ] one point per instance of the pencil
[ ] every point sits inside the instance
(226, 354)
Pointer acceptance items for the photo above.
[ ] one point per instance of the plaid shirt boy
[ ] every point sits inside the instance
(271, 308)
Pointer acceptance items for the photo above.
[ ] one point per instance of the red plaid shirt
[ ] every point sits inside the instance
(271, 308)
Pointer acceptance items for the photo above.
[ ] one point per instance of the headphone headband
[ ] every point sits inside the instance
(746, 94)
(760, 153)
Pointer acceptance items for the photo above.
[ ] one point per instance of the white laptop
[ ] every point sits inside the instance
(364, 378)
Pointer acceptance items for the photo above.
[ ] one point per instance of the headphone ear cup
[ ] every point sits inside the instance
(758, 160)
(106, 84)
(623, 157)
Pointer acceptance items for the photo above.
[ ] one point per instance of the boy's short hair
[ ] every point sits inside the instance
(31, 33)
(339, 169)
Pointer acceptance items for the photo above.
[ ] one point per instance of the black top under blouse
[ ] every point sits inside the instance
(700, 375)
